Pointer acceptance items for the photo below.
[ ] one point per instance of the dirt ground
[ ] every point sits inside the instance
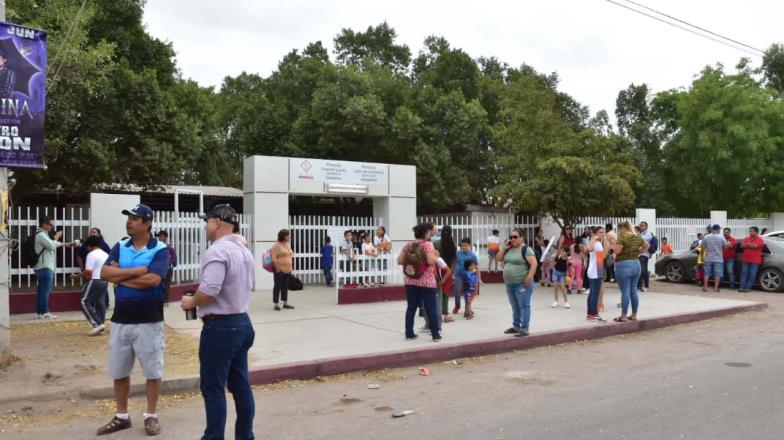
(58, 357)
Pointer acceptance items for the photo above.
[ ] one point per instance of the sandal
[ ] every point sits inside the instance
(620, 319)
(630, 318)
(448, 318)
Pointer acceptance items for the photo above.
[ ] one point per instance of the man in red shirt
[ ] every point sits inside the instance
(729, 257)
(752, 258)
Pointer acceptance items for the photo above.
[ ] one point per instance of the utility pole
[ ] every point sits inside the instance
(5, 279)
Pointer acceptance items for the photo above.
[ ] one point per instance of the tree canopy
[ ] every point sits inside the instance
(477, 129)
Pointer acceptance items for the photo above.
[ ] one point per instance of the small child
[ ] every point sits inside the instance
(470, 288)
(493, 247)
(561, 266)
(546, 282)
(326, 260)
(576, 272)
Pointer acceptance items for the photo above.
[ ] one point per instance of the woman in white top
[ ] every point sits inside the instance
(370, 252)
(596, 254)
(381, 240)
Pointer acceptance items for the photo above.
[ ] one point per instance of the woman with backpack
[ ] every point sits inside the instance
(519, 269)
(283, 262)
(418, 259)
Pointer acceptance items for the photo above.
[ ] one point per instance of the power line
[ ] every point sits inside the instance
(63, 53)
(683, 28)
(695, 26)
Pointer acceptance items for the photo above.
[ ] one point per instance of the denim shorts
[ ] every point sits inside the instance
(714, 269)
(128, 342)
(558, 276)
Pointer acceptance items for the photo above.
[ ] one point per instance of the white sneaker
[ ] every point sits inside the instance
(96, 330)
(49, 316)
(567, 306)
(39, 316)
(554, 304)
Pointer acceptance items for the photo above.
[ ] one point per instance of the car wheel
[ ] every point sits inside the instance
(675, 273)
(771, 280)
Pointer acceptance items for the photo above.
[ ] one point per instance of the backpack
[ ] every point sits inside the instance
(266, 261)
(654, 244)
(414, 261)
(29, 256)
(525, 260)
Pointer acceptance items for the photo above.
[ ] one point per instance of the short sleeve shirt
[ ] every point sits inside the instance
(493, 243)
(428, 278)
(714, 248)
(227, 275)
(753, 256)
(95, 261)
(137, 306)
(596, 260)
(462, 257)
(516, 266)
(631, 247)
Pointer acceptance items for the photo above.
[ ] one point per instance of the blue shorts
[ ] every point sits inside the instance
(714, 269)
(558, 276)
(467, 295)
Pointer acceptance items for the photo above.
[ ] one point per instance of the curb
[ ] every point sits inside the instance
(306, 370)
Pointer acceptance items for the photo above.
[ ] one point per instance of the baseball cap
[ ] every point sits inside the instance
(140, 210)
(715, 227)
(223, 212)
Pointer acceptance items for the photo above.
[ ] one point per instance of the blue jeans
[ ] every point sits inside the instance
(748, 275)
(627, 274)
(427, 296)
(458, 289)
(45, 279)
(644, 278)
(729, 268)
(713, 269)
(223, 354)
(328, 276)
(520, 300)
(593, 296)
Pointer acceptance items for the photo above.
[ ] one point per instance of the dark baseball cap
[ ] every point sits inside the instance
(715, 227)
(140, 210)
(223, 212)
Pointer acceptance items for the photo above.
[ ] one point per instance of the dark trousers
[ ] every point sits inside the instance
(223, 354)
(167, 285)
(328, 276)
(593, 296)
(280, 290)
(93, 306)
(415, 295)
(644, 275)
(45, 279)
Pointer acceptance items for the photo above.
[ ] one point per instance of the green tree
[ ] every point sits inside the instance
(773, 67)
(376, 44)
(727, 151)
(548, 167)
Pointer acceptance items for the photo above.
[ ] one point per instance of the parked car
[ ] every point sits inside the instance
(679, 267)
(774, 234)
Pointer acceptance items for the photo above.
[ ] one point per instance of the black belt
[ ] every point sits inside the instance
(206, 318)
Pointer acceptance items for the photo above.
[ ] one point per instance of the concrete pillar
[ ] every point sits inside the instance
(266, 198)
(778, 221)
(106, 215)
(649, 216)
(550, 227)
(718, 218)
(399, 208)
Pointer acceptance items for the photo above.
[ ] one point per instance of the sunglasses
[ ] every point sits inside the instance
(514, 237)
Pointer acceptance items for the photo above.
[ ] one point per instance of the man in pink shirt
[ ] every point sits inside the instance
(221, 300)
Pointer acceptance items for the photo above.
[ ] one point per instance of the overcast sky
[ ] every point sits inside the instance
(596, 47)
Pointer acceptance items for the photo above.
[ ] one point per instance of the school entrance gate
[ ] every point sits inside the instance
(269, 181)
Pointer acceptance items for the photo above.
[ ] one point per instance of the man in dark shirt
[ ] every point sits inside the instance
(137, 265)
(7, 77)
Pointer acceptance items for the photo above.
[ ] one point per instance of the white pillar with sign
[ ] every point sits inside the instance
(269, 181)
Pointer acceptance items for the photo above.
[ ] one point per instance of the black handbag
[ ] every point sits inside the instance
(294, 283)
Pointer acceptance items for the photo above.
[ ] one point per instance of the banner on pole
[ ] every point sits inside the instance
(22, 96)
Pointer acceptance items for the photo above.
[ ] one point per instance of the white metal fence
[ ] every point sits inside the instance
(188, 238)
(368, 271)
(479, 227)
(186, 234)
(23, 222)
(307, 238)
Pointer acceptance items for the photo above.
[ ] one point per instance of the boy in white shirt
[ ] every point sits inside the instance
(94, 290)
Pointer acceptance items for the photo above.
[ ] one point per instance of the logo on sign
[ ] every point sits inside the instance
(306, 167)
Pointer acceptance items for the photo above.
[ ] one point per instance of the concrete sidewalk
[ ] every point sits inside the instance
(319, 328)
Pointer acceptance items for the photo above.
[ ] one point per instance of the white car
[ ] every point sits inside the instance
(779, 235)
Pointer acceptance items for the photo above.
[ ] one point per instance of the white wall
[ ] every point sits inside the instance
(106, 214)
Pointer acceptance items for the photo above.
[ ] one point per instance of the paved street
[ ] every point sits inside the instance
(715, 379)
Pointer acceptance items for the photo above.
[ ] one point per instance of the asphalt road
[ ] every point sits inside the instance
(719, 379)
